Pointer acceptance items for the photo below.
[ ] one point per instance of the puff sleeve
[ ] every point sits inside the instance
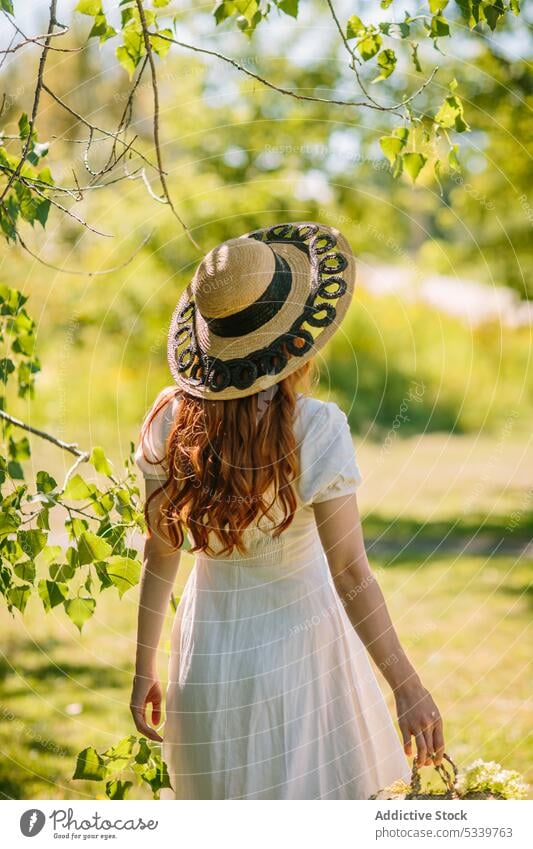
(328, 465)
(150, 454)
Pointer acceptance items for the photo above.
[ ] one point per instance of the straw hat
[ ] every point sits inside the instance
(258, 307)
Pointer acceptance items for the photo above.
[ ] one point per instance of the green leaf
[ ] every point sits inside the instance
(79, 610)
(290, 7)
(32, 542)
(405, 29)
(451, 115)
(62, 572)
(453, 160)
(439, 27)
(25, 571)
(247, 9)
(117, 789)
(156, 776)
(436, 6)
(391, 147)
(385, 4)
(76, 527)
(493, 12)
(466, 11)
(90, 766)
(50, 553)
(92, 547)
(41, 214)
(24, 344)
(52, 593)
(161, 46)
(15, 470)
(125, 60)
(100, 461)
(77, 489)
(19, 449)
(45, 176)
(123, 749)
(45, 482)
(43, 518)
(18, 596)
(223, 11)
(144, 753)
(124, 572)
(369, 46)
(413, 164)
(7, 367)
(7, 6)
(101, 29)
(9, 522)
(24, 126)
(89, 7)
(386, 63)
(354, 26)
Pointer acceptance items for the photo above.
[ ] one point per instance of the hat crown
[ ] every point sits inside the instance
(232, 276)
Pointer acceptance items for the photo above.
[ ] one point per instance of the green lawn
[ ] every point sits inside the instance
(465, 619)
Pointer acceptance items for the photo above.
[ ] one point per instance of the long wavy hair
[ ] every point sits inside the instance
(229, 464)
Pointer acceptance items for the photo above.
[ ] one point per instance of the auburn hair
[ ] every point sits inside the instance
(229, 463)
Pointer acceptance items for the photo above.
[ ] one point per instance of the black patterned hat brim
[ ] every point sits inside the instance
(216, 365)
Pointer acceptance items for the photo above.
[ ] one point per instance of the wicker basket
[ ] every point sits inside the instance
(447, 772)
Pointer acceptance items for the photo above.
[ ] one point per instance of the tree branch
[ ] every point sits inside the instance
(66, 446)
(155, 90)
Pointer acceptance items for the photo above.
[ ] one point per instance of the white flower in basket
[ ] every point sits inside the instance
(479, 780)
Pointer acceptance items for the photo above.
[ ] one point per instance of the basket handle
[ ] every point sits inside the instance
(448, 776)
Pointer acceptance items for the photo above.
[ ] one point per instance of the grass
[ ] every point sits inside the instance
(464, 619)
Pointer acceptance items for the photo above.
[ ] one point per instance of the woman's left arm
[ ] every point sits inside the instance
(159, 572)
(339, 526)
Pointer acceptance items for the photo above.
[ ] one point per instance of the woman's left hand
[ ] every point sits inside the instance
(419, 717)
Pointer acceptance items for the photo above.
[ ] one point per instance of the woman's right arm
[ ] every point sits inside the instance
(159, 572)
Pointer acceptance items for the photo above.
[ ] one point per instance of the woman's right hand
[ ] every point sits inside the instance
(419, 717)
(146, 690)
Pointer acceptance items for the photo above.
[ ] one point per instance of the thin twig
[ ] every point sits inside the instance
(78, 462)
(157, 144)
(70, 213)
(4, 57)
(125, 118)
(37, 95)
(307, 97)
(93, 127)
(37, 39)
(75, 192)
(352, 54)
(87, 273)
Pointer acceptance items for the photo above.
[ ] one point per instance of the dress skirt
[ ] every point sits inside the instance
(271, 694)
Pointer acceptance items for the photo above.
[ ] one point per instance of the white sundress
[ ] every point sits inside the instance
(271, 694)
